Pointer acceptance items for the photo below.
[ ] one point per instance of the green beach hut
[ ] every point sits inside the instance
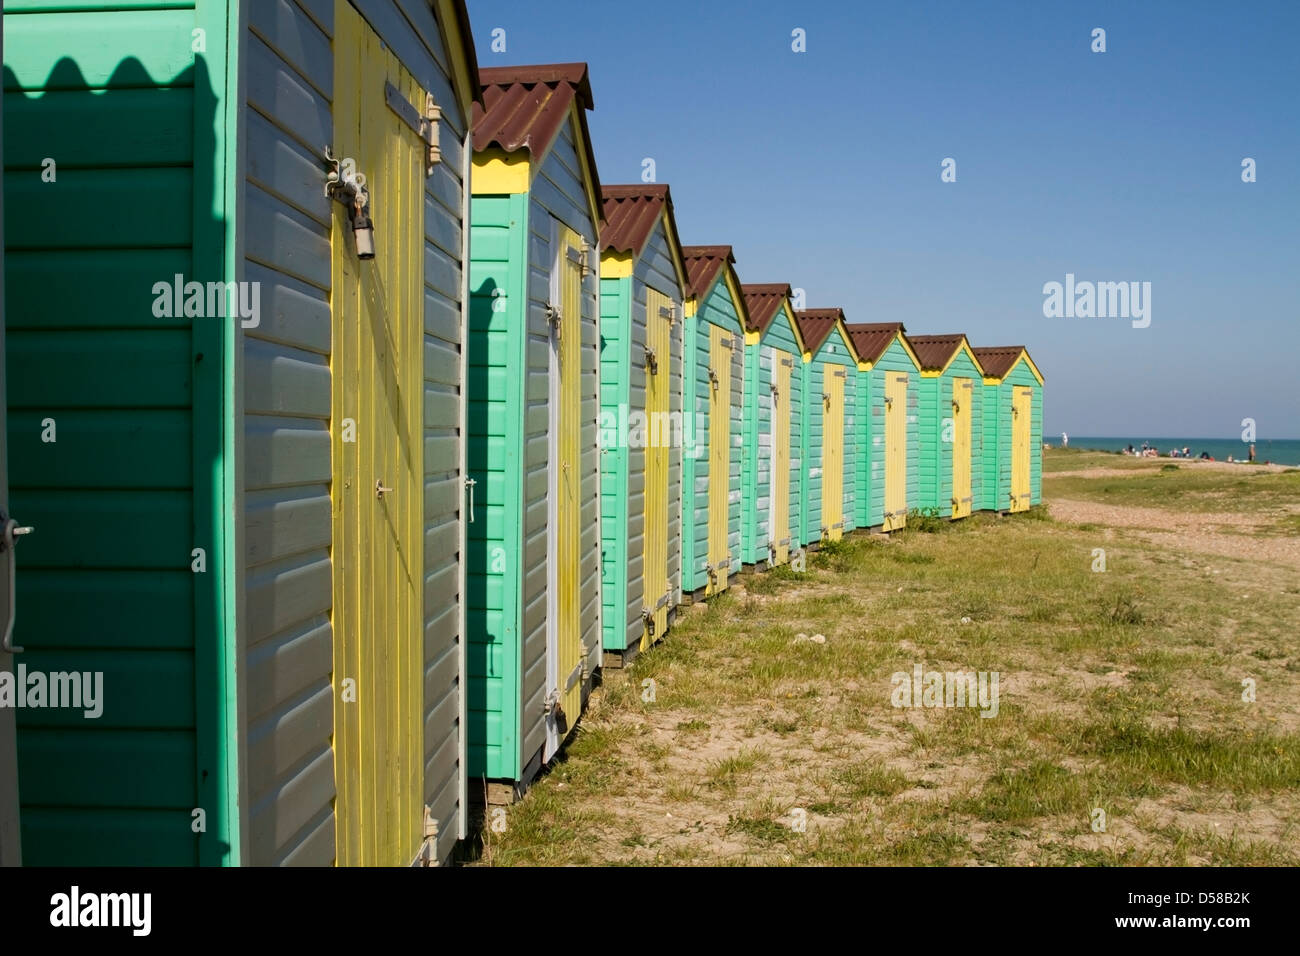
(1012, 435)
(714, 405)
(950, 425)
(888, 398)
(771, 521)
(641, 428)
(235, 316)
(534, 615)
(829, 426)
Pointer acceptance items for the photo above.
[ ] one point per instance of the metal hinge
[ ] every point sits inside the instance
(668, 312)
(838, 373)
(553, 317)
(426, 126)
(726, 343)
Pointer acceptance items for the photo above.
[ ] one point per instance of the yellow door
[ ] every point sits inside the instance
(566, 472)
(833, 455)
(658, 310)
(721, 346)
(1022, 410)
(962, 390)
(895, 450)
(779, 512)
(376, 312)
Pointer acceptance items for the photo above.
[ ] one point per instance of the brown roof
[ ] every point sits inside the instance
(524, 107)
(872, 338)
(631, 213)
(763, 302)
(936, 351)
(704, 264)
(816, 326)
(996, 360)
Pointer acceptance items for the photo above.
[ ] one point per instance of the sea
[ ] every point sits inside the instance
(1278, 451)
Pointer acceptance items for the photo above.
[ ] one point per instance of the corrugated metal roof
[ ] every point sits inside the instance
(631, 213)
(816, 325)
(936, 351)
(524, 107)
(872, 338)
(997, 360)
(703, 266)
(706, 265)
(763, 301)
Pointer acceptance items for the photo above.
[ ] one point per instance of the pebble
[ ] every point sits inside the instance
(818, 638)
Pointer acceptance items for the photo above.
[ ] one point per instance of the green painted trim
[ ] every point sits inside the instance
(516, 399)
(212, 351)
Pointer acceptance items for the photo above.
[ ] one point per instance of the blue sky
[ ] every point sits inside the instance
(822, 169)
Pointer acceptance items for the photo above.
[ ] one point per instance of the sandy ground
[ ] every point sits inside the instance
(1192, 464)
(1227, 534)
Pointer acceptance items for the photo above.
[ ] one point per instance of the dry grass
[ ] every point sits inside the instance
(1119, 691)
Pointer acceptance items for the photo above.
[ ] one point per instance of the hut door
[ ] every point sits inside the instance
(10, 854)
(1022, 410)
(962, 392)
(779, 511)
(833, 456)
(377, 442)
(895, 451)
(721, 349)
(658, 326)
(564, 652)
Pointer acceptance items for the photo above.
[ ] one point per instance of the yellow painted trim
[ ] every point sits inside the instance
(616, 265)
(992, 380)
(588, 174)
(907, 348)
(1024, 357)
(465, 82)
(965, 347)
(930, 373)
(864, 366)
(807, 357)
(848, 341)
(690, 306)
(752, 338)
(679, 261)
(497, 172)
(737, 298)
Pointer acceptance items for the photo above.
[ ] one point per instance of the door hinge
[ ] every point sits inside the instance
(426, 126)
(668, 312)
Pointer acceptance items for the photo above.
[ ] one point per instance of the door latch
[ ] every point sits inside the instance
(8, 541)
(380, 489)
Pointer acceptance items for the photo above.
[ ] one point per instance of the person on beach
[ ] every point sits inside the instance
(1186, 453)
(1065, 440)
(1252, 454)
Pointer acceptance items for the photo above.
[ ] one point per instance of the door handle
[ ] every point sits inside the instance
(380, 489)
(470, 483)
(11, 533)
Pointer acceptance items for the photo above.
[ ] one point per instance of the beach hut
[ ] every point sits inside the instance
(772, 461)
(1012, 439)
(888, 376)
(238, 430)
(950, 425)
(829, 425)
(534, 556)
(642, 277)
(714, 407)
